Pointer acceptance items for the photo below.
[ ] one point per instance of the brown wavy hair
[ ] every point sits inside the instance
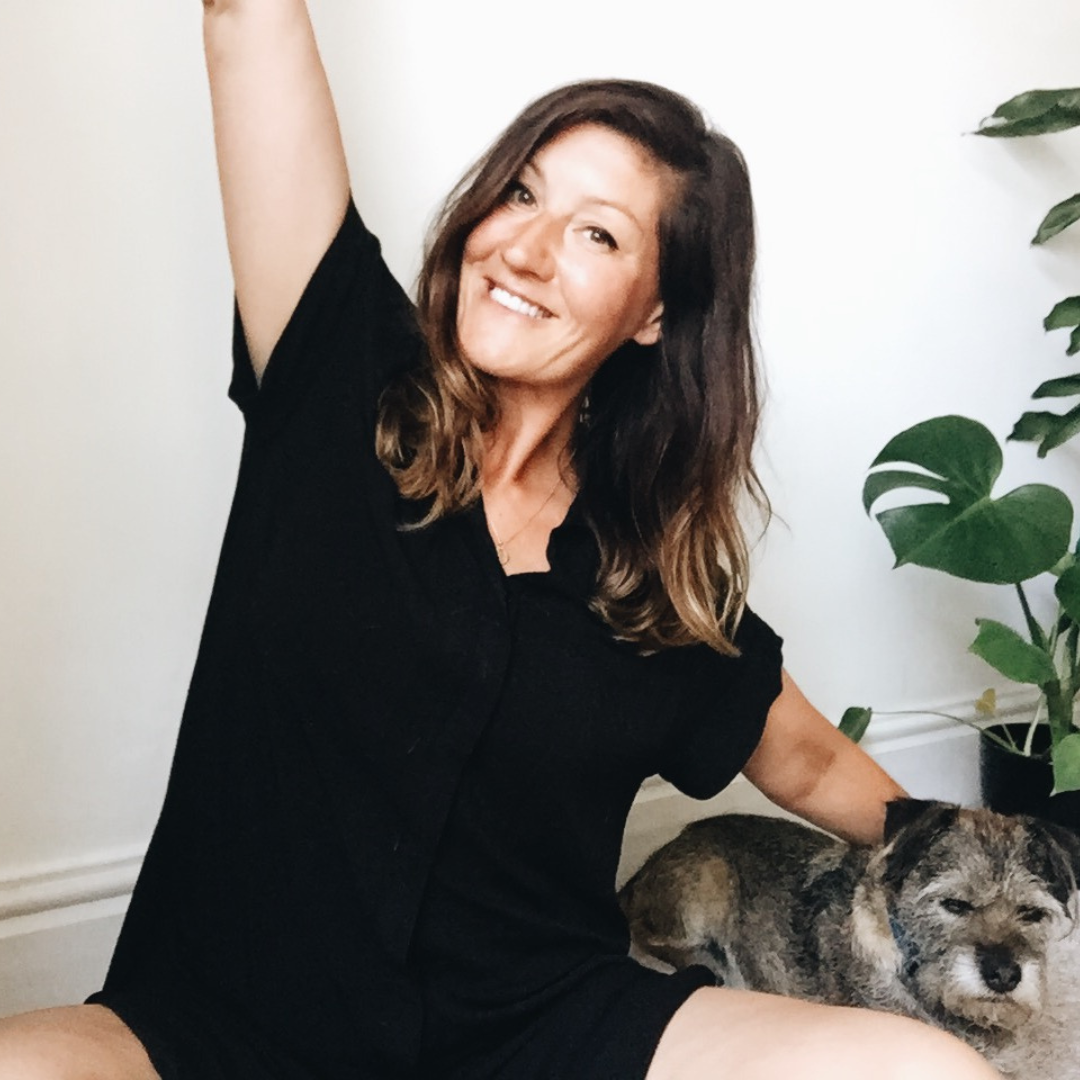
(663, 451)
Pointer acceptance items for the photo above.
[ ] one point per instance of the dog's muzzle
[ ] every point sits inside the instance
(998, 968)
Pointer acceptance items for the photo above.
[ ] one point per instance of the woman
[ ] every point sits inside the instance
(482, 575)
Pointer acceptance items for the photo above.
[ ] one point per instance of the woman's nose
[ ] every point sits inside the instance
(531, 248)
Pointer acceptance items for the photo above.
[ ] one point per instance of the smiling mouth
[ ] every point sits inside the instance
(513, 302)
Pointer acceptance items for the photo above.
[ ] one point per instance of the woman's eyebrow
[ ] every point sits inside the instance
(614, 204)
(530, 169)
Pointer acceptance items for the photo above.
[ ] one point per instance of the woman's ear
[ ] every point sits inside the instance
(649, 334)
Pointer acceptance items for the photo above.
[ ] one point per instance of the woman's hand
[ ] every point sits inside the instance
(284, 180)
(804, 764)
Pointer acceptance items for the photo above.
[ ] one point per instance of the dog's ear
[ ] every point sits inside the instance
(1053, 853)
(911, 826)
(899, 813)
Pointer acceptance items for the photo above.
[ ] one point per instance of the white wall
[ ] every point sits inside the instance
(895, 284)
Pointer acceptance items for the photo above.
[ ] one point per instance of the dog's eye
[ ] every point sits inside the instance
(957, 907)
(1032, 914)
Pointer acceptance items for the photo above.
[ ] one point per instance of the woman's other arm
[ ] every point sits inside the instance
(284, 180)
(805, 765)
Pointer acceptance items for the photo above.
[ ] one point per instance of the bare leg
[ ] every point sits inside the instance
(721, 1033)
(82, 1042)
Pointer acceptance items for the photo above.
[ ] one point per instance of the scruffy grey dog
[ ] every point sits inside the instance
(950, 920)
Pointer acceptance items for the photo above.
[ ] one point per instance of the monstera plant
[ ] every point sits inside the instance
(960, 527)
(1041, 112)
(1005, 540)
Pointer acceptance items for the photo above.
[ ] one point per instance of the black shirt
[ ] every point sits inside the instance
(402, 777)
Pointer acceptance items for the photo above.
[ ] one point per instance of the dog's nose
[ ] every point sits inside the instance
(999, 970)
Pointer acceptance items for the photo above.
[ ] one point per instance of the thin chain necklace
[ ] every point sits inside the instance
(501, 545)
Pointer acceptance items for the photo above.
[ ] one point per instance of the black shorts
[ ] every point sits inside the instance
(606, 1027)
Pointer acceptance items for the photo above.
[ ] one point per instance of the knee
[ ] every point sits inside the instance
(854, 1043)
(75, 1043)
(921, 1052)
(936, 1053)
(764, 1037)
(26, 1052)
(857, 1042)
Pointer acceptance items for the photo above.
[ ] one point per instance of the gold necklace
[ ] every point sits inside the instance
(501, 545)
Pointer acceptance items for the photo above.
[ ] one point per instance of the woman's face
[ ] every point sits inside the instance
(565, 270)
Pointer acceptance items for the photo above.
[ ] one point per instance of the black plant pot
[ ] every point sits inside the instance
(1013, 784)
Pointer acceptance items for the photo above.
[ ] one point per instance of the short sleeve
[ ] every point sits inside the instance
(723, 704)
(354, 325)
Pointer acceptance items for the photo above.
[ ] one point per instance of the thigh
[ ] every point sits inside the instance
(720, 1033)
(80, 1042)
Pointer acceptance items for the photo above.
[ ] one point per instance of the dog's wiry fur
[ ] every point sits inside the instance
(951, 920)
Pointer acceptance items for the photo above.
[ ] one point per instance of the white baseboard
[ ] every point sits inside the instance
(58, 924)
(59, 960)
(58, 927)
(45, 890)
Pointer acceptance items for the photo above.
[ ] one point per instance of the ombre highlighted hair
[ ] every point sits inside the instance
(663, 453)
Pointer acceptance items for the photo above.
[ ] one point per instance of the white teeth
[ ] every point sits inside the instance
(515, 303)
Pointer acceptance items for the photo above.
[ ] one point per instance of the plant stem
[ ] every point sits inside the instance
(1058, 711)
(1029, 738)
(1005, 743)
(1038, 635)
(1072, 637)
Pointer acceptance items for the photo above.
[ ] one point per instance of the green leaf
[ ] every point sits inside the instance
(1016, 658)
(1035, 112)
(960, 450)
(1064, 313)
(880, 483)
(1048, 429)
(1034, 103)
(1074, 342)
(855, 721)
(1058, 218)
(971, 535)
(1067, 590)
(1033, 426)
(1063, 387)
(1067, 426)
(1066, 562)
(1066, 758)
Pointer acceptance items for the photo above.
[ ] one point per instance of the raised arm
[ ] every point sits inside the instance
(284, 181)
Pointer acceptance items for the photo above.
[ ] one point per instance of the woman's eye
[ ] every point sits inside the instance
(517, 193)
(957, 907)
(601, 236)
